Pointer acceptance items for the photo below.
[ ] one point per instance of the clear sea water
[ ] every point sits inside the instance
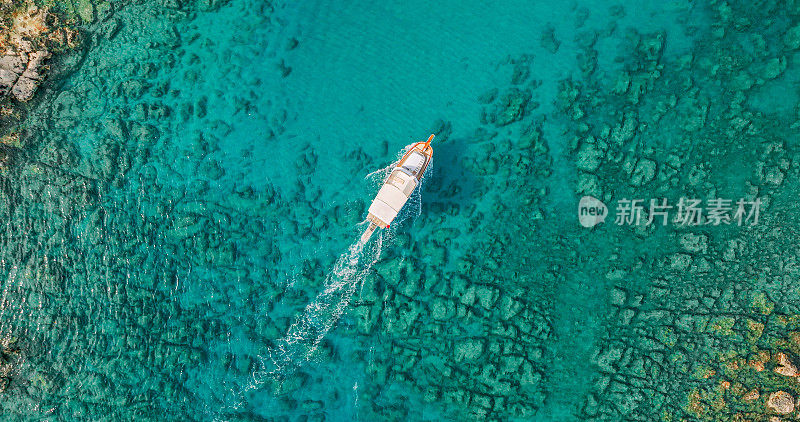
(181, 229)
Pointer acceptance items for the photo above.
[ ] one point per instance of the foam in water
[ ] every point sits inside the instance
(305, 334)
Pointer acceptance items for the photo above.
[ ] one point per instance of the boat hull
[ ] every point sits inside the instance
(398, 187)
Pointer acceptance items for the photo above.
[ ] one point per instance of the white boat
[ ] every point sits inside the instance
(398, 187)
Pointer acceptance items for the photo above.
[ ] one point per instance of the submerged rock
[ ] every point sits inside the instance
(774, 67)
(786, 368)
(792, 37)
(751, 395)
(509, 108)
(589, 157)
(468, 349)
(780, 402)
(548, 40)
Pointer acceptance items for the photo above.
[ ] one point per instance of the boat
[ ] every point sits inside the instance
(398, 187)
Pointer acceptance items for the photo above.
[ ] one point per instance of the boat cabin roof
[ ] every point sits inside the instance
(414, 162)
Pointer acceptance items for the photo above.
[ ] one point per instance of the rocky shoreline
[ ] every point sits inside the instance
(30, 35)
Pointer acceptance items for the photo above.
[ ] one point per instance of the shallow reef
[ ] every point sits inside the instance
(691, 313)
(163, 235)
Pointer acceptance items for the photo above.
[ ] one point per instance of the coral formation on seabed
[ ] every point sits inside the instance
(529, 311)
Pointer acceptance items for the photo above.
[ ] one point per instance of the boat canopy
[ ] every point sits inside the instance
(414, 162)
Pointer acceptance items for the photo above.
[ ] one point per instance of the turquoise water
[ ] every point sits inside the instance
(182, 225)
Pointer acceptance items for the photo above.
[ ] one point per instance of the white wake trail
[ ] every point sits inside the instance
(318, 317)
